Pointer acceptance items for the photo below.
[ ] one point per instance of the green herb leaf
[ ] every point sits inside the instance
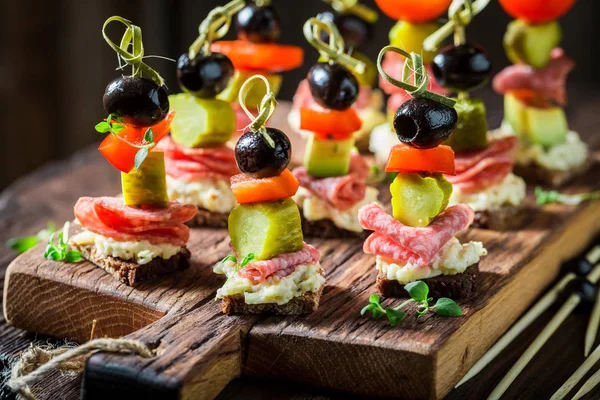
(367, 308)
(543, 197)
(394, 316)
(446, 307)
(140, 157)
(116, 128)
(149, 136)
(247, 260)
(374, 298)
(22, 244)
(73, 256)
(230, 257)
(417, 290)
(102, 127)
(377, 312)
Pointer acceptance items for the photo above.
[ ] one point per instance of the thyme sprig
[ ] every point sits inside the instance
(419, 292)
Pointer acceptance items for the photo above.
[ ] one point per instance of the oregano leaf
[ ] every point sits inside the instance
(102, 127)
(140, 157)
(374, 298)
(394, 316)
(446, 307)
(417, 290)
(116, 128)
(149, 136)
(73, 256)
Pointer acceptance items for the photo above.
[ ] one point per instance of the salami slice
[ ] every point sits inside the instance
(110, 217)
(341, 191)
(282, 265)
(195, 163)
(505, 146)
(424, 242)
(383, 246)
(549, 82)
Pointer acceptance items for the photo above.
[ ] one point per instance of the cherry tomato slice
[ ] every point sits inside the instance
(260, 56)
(404, 158)
(330, 124)
(120, 154)
(537, 11)
(414, 10)
(247, 189)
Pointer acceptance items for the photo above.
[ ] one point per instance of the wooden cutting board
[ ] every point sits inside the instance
(198, 350)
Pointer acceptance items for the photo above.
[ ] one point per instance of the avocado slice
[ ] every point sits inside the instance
(256, 91)
(324, 158)
(201, 122)
(472, 127)
(266, 229)
(531, 44)
(417, 199)
(146, 186)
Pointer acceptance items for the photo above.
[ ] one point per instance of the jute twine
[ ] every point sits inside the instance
(38, 361)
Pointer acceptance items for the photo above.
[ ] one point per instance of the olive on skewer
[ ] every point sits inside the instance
(258, 23)
(257, 157)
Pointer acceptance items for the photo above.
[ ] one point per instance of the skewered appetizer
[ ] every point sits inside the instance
(333, 179)
(534, 94)
(417, 242)
(273, 270)
(141, 235)
(198, 162)
(416, 21)
(355, 24)
(484, 178)
(255, 51)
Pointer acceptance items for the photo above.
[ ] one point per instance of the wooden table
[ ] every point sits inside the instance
(48, 195)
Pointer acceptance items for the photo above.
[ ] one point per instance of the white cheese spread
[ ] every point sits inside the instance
(382, 141)
(453, 258)
(314, 209)
(509, 192)
(560, 157)
(306, 278)
(212, 194)
(141, 252)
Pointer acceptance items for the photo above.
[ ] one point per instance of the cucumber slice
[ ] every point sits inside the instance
(148, 185)
(472, 127)
(417, 199)
(325, 158)
(531, 44)
(201, 122)
(266, 229)
(410, 37)
(514, 114)
(255, 93)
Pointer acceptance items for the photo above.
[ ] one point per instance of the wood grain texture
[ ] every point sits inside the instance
(193, 330)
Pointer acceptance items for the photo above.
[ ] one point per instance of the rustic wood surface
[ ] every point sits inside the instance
(27, 207)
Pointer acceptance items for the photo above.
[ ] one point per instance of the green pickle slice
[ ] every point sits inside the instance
(472, 127)
(201, 122)
(531, 44)
(326, 158)
(266, 229)
(255, 93)
(146, 186)
(417, 199)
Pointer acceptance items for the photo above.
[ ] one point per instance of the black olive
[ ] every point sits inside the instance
(355, 30)
(258, 24)
(333, 86)
(580, 266)
(256, 157)
(463, 67)
(206, 75)
(140, 101)
(424, 123)
(583, 288)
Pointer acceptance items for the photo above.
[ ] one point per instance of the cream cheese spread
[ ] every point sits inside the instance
(212, 194)
(509, 192)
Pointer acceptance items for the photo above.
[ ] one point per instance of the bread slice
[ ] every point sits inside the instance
(325, 228)
(131, 273)
(502, 219)
(208, 219)
(534, 173)
(457, 287)
(304, 304)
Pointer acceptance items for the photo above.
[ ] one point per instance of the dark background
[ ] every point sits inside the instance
(54, 63)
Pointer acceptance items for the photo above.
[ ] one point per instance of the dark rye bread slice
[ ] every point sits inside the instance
(131, 273)
(457, 287)
(210, 219)
(304, 304)
(534, 173)
(326, 229)
(502, 219)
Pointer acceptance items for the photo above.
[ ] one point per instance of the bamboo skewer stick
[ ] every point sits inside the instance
(592, 328)
(527, 319)
(588, 386)
(562, 314)
(574, 379)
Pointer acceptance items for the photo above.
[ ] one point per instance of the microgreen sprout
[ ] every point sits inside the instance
(59, 251)
(239, 266)
(23, 243)
(419, 292)
(543, 197)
